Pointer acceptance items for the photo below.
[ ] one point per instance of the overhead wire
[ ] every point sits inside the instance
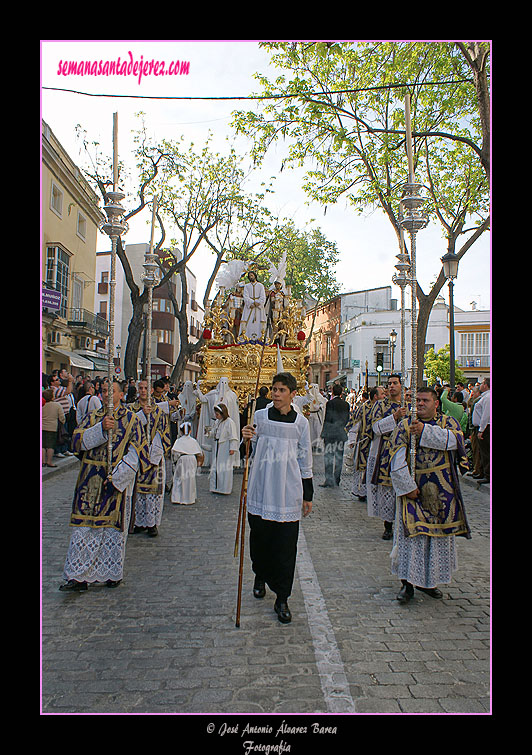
(260, 96)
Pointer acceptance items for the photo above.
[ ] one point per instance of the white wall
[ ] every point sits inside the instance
(360, 333)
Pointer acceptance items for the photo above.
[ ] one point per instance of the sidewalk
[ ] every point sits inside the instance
(61, 466)
(471, 482)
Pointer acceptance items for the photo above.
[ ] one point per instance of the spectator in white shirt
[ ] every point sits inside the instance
(481, 419)
(88, 402)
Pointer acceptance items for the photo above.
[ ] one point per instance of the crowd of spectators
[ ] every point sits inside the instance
(67, 400)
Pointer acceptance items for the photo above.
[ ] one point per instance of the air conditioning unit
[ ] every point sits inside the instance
(84, 342)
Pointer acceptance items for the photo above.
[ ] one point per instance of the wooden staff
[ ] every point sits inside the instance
(243, 497)
(112, 285)
(149, 279)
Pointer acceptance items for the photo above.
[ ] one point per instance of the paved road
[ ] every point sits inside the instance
(165, 641)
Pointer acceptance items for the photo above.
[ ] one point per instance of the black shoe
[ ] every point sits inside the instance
(137, 529)
(259, 588)
(432, 591)
(406, 592)
(153, 531)
(362, 498)
(283, 612)
(113, 583)
(73, 586)
(388, 531)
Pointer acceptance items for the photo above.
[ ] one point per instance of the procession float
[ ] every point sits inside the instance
(249, 325)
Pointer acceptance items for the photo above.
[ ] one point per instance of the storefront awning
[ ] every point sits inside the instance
(341, 376)
(76, 360)
(99, 361)
(158, 360)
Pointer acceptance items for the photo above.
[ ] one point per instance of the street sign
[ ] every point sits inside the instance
(118, 370)
(51, 299)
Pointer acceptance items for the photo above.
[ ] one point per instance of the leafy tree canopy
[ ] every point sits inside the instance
(438, 366)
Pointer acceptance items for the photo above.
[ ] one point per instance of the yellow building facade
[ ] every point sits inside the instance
(70, 219)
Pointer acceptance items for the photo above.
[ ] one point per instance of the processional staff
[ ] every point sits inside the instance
(413, 220)
(114, 228)
(150, 278)
(400, 279)
(240, 528)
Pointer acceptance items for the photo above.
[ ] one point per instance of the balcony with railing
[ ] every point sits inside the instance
(474, 360)
(80, 319)
(344, 364)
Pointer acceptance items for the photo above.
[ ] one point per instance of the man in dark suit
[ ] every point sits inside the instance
(334, 436)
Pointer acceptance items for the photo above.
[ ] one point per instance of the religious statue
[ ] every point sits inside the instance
(235, 308)
(277, 303)
(253, 322)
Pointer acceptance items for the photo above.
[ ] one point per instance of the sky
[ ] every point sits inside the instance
(223, 68)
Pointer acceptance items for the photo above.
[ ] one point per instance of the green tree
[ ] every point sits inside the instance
(341, 110)
(311, 264)
(203, 200)
(438, 366)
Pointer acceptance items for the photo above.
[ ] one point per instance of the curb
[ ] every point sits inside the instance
(481, 487)
(62, 466)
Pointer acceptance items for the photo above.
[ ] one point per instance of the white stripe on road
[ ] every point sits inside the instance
(333, 680)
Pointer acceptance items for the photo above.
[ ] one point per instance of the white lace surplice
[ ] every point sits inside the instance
(97, 554)
(282, 457)
(421, 560)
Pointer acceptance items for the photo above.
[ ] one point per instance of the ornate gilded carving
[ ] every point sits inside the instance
(238, 359)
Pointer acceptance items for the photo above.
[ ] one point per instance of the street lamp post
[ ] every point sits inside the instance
(450, 270)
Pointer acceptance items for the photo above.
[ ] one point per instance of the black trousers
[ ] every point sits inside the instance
(484, 448)
(333, 460)
(273, 551)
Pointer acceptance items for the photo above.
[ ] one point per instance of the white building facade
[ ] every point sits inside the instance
(369, 320)
(165, 344)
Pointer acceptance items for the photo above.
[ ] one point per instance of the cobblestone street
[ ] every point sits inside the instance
(165, 641)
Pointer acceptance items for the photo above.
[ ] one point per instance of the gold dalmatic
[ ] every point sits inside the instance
(97, 503)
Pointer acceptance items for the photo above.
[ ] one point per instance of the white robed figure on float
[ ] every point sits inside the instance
(187, 456)
(225, 438)
(253, 322)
